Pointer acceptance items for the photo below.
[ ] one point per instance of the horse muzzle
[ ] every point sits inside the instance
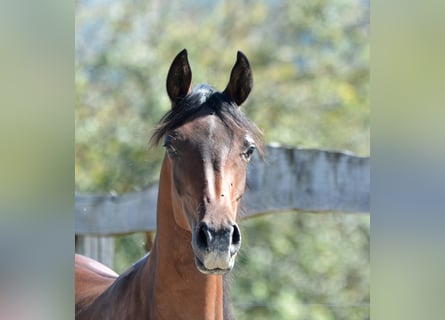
(215, 249)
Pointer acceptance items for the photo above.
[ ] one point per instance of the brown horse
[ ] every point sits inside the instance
(209, 143)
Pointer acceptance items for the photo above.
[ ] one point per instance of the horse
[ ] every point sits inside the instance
(208, 144)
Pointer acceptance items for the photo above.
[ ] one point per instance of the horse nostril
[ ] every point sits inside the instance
(208, 239)
(204, 237)
(236, 236)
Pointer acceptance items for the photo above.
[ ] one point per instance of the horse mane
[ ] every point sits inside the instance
(206, 97)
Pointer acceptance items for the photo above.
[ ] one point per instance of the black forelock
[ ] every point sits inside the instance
(205, 97)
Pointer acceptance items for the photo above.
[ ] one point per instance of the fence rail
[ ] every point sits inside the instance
(289, 179)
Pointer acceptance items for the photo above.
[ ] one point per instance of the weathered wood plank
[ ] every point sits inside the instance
(107, 214)
(308, 180)
(289, 179)
(98, 248)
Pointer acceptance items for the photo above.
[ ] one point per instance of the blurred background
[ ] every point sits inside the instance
(310, 60)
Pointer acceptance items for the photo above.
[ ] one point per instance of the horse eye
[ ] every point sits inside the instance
(171, 151)
(248, 152)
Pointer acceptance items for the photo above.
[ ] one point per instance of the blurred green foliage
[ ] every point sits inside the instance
(303, 266)
(311, 89)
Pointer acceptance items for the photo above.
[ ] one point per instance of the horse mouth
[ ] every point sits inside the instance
(202, 268)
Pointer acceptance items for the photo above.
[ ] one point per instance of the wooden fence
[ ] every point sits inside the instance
(306, 180)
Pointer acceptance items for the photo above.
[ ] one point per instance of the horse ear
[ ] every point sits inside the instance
(241, 80)
(179, 77)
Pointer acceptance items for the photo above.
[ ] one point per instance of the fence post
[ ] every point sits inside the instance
(99, 248)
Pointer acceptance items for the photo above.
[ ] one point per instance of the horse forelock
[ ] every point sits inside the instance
(204, 99)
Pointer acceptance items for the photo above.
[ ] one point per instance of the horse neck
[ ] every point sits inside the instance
(179, 289)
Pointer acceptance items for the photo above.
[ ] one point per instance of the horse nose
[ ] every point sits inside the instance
(223, 239)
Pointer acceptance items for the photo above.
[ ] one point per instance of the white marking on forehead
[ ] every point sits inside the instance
(212, 125)
(210, 178)
(208, 166)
